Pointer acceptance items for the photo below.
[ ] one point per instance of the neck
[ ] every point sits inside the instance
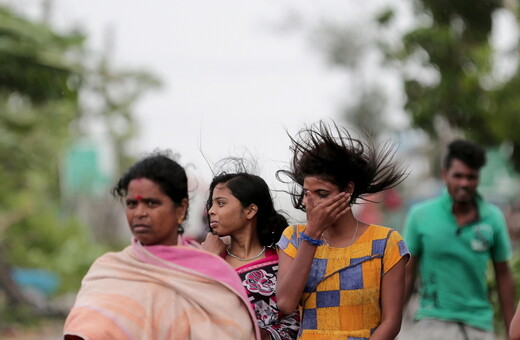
(465, 212)
(245, 243)
(463, 207)
(344, 226)
(344, 232)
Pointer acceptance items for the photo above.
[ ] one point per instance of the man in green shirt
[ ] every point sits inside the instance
(451, 239)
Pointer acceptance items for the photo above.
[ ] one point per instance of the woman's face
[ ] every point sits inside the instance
(226, 213)
(152, 216)
(315, 190)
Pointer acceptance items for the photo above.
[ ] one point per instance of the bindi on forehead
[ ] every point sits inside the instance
(139, 197)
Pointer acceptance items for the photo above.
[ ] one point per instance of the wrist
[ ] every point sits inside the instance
(313, 232)
(311, 240)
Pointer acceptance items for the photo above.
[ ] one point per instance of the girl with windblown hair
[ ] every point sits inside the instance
(240, 206)
(347, 275)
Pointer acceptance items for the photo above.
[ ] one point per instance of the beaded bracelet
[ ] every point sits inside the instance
(311, 240)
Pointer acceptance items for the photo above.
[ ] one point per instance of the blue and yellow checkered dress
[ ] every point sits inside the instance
(341, 296)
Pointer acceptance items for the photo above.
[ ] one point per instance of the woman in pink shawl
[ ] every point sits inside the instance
(161, 286)
(240, 206)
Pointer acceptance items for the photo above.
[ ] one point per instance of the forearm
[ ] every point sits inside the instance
(506, 292)
(514, 328)
(388, 329)
(265, 334)
(392, 302)
(292, 280)
(411, 269)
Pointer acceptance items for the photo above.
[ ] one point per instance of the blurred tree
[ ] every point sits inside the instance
(463, 94)
(108, 98)
(350, 47)
(450, 70)
(38, 99)
(43, 77)
(117, 93)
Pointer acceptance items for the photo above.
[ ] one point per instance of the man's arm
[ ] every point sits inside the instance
(506, 291)
(411, 273)
(514, 329)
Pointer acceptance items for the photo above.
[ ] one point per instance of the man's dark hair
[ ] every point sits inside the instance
(469, 153)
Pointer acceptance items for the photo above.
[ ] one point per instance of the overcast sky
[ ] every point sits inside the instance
(235, 74)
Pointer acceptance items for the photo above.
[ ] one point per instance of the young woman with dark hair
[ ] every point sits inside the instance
(347, 275)
(240, 206)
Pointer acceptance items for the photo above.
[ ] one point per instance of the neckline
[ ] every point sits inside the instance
(270, 255)
(361, 236)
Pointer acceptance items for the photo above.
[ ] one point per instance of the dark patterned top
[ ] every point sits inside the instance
(259, 279)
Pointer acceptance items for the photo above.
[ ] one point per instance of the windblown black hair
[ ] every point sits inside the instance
(329, 152)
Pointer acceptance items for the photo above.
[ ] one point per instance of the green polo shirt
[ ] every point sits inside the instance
(452, 262)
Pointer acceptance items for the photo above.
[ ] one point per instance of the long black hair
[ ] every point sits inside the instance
(251, 189)
(332, 154)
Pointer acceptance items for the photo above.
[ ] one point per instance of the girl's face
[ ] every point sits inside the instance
(315, 190)
(152, 216)
(226, 213)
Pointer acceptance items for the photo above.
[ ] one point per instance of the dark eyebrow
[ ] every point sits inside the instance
(145, 200)
(150, 200)
(464, 175)
(324, 190)
(219, 198)
(319, 190)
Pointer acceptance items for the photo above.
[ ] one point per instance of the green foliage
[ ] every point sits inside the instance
(20, 315)
(42, 74)
(34, 61)
(455, 43)
(118, 92)
(58, 244)
(475, 14)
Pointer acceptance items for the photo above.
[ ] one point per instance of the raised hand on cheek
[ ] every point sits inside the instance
(213, 244)
(323, 214)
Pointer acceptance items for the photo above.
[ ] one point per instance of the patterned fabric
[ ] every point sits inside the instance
(185, 294)
(341, 296)
(259, 280)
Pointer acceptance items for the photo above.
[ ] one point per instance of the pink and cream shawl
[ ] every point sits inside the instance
(136, 294)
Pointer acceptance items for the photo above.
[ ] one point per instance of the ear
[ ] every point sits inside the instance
(444, 174)
(183, 206)
(251, 211)
(350, 188)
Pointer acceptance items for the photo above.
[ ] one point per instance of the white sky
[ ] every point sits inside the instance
(232, 76)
